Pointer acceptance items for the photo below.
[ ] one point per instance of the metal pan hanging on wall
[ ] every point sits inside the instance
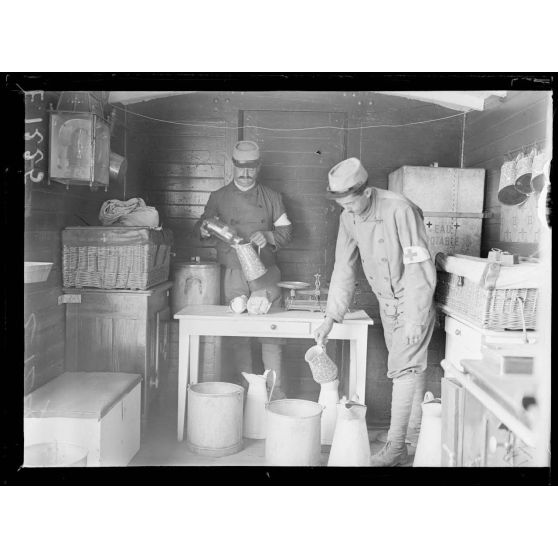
(523, 173)
(118, 166)
(508, 194)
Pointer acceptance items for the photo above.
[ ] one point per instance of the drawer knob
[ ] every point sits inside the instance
(457, 332)
(273, 326)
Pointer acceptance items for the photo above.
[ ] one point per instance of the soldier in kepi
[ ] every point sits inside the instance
(257, 214)
(386, 231)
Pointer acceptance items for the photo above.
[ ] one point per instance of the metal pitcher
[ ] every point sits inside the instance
(221, 230)
(252, 266)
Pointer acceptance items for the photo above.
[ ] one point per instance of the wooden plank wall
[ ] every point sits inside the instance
(177, 166)
(520, 121)
(49, 209)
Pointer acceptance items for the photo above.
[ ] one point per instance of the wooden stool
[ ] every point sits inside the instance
(96, 410)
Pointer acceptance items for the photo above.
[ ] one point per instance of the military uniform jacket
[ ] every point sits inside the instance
(247, 212)
(391, 241)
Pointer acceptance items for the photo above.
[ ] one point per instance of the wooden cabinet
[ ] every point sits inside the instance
(473, 436)
(475, 430)
(120, 331)
(453, 397)
(464, 340)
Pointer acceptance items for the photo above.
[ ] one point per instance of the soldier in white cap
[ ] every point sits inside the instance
(256, 213)
(386, 231)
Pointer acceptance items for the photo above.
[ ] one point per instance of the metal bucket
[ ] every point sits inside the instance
(118, 166)
(214, 425)
(323, 368)
(293, 433)
(55, 454)
(252, 266)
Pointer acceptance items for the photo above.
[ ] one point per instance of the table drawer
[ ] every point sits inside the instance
(277, 328)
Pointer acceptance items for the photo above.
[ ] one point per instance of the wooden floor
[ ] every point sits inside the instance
(160, 447)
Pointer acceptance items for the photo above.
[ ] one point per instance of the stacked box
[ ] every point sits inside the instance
(452, 203)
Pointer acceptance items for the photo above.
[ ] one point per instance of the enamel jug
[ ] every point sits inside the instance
(328, 399)
(256, 402)
(322, 367)
(429, 445)
(350, 447)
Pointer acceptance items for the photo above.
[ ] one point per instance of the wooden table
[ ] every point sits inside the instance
(221, 321)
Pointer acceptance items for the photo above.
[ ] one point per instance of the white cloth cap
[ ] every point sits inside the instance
(246, 153)
(346, 177)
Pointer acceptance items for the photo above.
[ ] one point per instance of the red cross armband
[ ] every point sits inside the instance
(415, 254)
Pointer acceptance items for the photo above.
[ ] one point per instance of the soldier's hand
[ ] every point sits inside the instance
(258, 239)
(320, 334)
(413, 333)
(203, 231)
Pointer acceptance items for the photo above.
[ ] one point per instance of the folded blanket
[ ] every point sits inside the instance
(112, 210)
(491, 275)
(141, 217)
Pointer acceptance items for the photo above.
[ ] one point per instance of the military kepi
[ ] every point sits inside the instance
(345, 178)
(246, 154)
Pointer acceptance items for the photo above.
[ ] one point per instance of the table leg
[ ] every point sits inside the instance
(194, 358)
(183, 369)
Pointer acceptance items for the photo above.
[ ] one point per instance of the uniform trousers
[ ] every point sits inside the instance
(406, 366)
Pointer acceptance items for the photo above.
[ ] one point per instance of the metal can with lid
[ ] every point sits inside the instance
(195, 282)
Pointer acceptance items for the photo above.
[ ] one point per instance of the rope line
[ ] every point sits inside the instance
(193, 124)
(360, 128)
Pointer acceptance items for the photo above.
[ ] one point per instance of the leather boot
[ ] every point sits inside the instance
(415, 417)
(271, 357)
(391, 455)
(395, 451)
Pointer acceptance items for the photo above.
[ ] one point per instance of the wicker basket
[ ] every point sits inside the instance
(115, 257)
(496, 309)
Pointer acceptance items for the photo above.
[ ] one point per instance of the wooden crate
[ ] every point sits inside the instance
(99, 411)
(452, 202)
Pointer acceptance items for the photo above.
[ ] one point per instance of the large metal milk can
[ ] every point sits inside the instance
(195, 282)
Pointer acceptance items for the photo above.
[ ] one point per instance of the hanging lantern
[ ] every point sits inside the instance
(79, 141)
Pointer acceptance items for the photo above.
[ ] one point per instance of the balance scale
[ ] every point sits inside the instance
(301, 297)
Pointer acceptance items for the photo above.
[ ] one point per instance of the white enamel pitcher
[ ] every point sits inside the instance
(256, 402)
(429, 445)
(350, 446)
